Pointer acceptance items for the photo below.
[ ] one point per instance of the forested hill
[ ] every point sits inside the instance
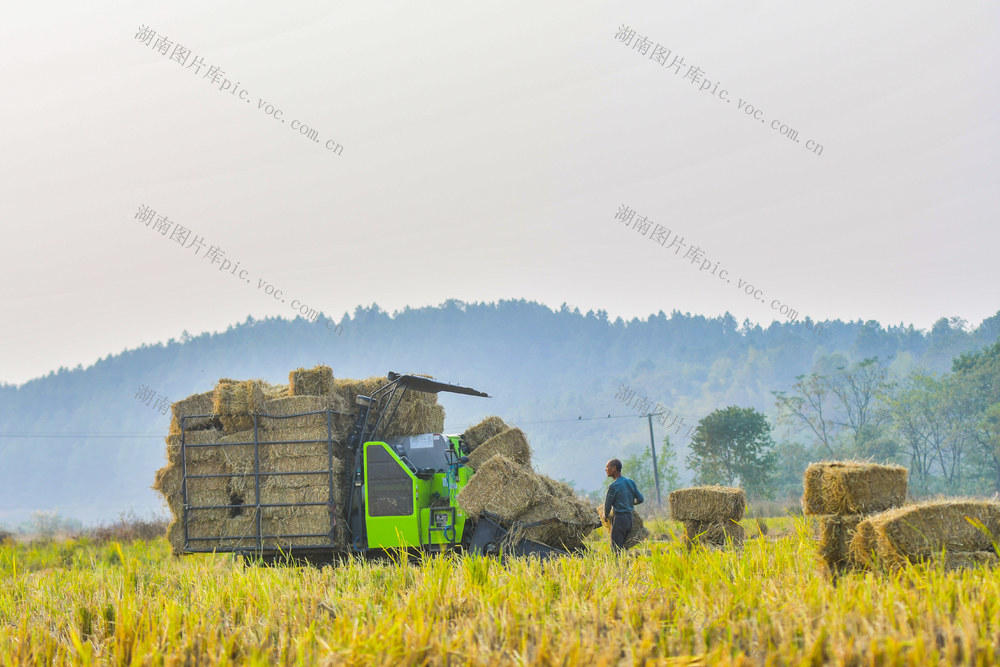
(102, 445)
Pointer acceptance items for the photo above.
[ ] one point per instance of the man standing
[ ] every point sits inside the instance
(622, 496)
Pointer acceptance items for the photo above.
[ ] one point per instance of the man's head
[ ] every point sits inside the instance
(613, 468)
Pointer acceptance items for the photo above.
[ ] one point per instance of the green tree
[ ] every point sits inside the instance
(734, 446)
(977, 380)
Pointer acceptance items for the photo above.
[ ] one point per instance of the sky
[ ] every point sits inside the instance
(840, 161)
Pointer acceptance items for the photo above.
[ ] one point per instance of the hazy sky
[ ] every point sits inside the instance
(486, 150)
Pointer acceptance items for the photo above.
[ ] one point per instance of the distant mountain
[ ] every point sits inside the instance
(544, 369)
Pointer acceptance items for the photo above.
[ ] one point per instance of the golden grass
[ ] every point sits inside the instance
(770, 602)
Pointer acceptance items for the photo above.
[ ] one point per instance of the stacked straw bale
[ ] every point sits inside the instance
(502, 487)
(483, 431)
(505, 485)
(198, 404)
(853, 487)
(710, 514)
(511, 444)
(287, 445)
(236, 402)
(317, 381)
(842, 494)
(956, 533)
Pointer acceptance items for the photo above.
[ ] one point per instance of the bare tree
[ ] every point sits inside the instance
(808, 403)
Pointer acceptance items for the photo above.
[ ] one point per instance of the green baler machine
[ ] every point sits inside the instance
(398, 492)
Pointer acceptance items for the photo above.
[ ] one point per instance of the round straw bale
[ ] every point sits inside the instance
(511, 444)
(708, 503)
(483, 431)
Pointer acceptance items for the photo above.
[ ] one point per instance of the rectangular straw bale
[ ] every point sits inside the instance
(569, 519)
(637, 533)
(835, 534)
(561, 529)
(275, 391)
(416, 416)
(864, 488)
(511, 444)
(190, 438)
(240, 532)
(928, 528)
(713, 533)
(853, 487)
(196, 404)
(279, 411)
(316, 381)
(863, 544)
(304, 488)
(708, 503)
(417, 412)
(237, 402)
(503, 487)
(292, 443)
(483, 431)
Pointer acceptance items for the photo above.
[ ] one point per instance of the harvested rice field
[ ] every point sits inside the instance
(772, 601)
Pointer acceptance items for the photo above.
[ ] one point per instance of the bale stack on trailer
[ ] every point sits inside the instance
(841, 494)
(222, 479)
(538, 507)
(711, 514)
(955, 533)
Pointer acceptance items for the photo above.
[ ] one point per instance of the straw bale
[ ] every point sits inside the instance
(196, 404)
(417, 413)
(414, 417)
(511, 444)
(708, 503)
(812, 497)
(295, 443)
(237, 402)
(483, 431)
(927, 529)
(275, 391)
(191, 438)
(569, 519)
(863, 544)
(853, 487)
(637, 533)
(240, 532)
(835, 534)
(713, 533)
(316, 381)
(503, 487)
(282, 408)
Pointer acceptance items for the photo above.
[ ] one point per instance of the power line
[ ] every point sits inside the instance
(584, 419)
(160, 435)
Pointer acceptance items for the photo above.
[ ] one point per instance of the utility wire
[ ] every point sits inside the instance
(160, 435)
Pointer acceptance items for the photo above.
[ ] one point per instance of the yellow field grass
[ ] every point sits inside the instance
(772, 602)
